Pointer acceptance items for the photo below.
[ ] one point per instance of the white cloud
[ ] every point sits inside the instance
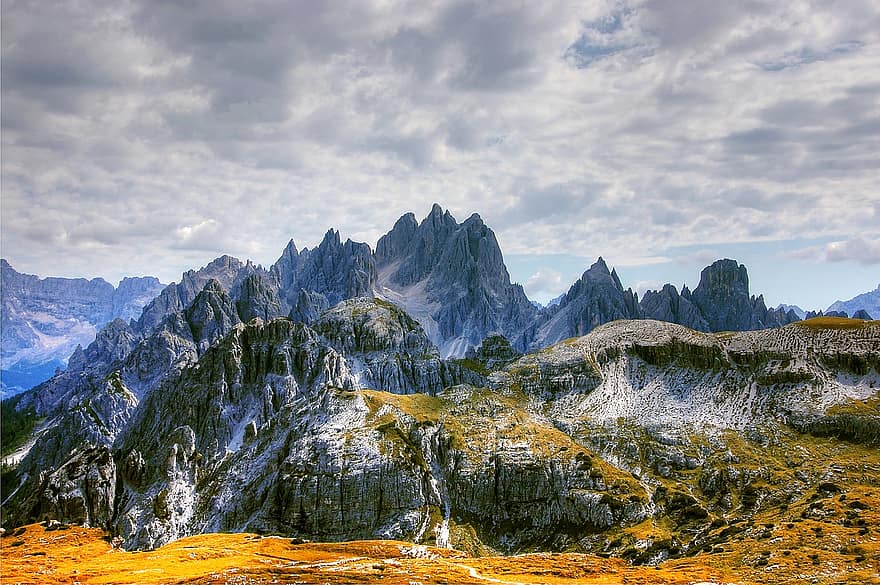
(643, 286)
(858, 250)
(546, 282)
(861, 250)
(625, 128)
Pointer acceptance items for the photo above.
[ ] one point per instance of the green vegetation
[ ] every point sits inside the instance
(15, 426)
(474, 366)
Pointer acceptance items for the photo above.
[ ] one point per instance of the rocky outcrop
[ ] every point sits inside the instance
(863, 315)
(670, 306)
(258, 299)
(451, 278)
(723, 299)
(371, 325)
(596, 298)
(390, 347)
(334, 270)
(721, 302)
(227, 271)
(43, 320)
(308, 307)
(82, 490)
(494, 353)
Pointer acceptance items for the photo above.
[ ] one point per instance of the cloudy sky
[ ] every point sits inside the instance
(148, 138)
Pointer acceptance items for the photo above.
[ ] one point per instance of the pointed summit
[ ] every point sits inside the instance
(474, 219)
(333, 269)
(331, 238)
(395, 242)
(452, 278)
(284, 269)
(596, 298)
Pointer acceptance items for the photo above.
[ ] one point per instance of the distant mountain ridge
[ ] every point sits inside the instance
(721, 302)
(868, 302)
(44, 319)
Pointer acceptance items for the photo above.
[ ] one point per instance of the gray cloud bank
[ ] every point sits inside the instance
(153, 135)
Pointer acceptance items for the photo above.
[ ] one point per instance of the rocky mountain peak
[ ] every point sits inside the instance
(451, 277)
(599, 273)
(670, 306)
(211, 315)
(331, 239)
(438, 218)
(724, 275)
(228, 271)
(596, 298)
(224, 269)
(284, 269)
(336, 270)
(721, 302)
(599, 267)
(723, 296)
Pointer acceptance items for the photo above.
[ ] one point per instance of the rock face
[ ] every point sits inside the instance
(723, 299)
(596, 298)
(662, 374)
(188, 357)
(868, 302)
(258, 299)
(670, 306)
(494, 353)
(43, 320)
(451, 278)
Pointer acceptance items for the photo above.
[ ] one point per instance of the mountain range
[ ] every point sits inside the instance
(449, 276)
(414, 393)
(43, 320)
(868, 302)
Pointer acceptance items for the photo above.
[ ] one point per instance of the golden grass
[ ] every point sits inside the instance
(83, 555)
(778, 547)
(835, 323)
